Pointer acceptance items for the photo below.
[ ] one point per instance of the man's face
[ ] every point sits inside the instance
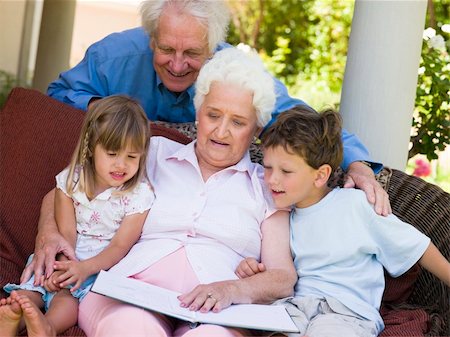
(180, 49)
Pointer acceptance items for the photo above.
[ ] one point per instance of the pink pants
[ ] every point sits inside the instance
(101, 316)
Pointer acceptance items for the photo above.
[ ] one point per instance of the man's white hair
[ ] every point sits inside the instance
(213, 14)
(234, 66)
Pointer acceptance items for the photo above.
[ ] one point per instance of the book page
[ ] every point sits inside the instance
(147, 296)
(141, 294)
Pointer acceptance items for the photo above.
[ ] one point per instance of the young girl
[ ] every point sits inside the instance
(101, 202)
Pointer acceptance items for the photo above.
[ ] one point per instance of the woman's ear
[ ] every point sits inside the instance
(322, 175)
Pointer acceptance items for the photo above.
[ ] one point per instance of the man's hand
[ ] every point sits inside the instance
(47, 246)
(249, 267)
(361, 176)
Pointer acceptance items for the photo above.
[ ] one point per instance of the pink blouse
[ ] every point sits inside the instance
(217, 221)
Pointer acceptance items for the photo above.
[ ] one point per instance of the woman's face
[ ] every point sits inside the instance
(226, 126)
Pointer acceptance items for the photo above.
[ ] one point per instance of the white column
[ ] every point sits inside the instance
(381, 76)
(55, 41)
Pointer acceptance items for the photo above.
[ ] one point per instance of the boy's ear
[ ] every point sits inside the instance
(322, 175)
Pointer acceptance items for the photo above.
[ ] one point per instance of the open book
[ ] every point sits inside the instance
(147, 296)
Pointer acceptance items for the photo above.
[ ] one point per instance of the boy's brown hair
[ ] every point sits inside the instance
(316, 137)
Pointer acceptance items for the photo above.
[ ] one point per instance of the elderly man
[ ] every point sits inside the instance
(158, 66)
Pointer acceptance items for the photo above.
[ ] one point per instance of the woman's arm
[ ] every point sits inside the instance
(48, 243)
(276, 282)
(126, 236)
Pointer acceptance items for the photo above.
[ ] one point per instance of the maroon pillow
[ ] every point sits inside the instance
(398, 289)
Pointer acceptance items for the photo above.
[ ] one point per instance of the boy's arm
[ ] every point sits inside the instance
(433, 261)
(125, 237)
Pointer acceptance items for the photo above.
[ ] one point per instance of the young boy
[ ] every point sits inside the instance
(339, 244)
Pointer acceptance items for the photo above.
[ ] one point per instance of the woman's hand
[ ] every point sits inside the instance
(361, 176)
(205, 297)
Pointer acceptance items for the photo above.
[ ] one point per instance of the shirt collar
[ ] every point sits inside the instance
(82, 198)
(187, 153)
(190, 91)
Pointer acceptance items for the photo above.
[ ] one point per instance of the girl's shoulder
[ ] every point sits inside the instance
(139, 199)
(63, 176)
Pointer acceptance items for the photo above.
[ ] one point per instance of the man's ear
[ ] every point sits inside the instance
(322, 175)
(152, 44)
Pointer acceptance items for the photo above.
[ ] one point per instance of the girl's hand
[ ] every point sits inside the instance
(249, 267)
(73, 272)
(50, 283)
(205, 297)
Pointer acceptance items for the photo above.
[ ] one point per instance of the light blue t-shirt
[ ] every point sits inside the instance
(340, 246)
(122, 63)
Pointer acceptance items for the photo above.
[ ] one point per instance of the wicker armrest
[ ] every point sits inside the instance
(427, 207)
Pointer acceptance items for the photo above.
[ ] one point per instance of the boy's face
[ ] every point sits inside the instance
(289, 178)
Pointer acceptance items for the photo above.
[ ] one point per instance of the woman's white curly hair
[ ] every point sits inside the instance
(245, 69)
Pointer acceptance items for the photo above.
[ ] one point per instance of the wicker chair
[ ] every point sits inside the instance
(427, 207)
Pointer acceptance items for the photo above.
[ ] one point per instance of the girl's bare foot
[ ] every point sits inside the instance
(10, 315)
(35, 321)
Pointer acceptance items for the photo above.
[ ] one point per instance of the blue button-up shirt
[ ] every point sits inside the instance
(122, 63)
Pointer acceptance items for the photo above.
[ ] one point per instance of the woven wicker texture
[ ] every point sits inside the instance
(427, 207)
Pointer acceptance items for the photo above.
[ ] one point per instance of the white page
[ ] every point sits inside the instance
(144, 295)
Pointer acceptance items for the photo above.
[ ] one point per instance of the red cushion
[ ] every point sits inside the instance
(399, 289)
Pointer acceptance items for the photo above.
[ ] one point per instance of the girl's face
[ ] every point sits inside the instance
(113, 169)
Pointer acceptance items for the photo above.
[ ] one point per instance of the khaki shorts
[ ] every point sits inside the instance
(318, 317)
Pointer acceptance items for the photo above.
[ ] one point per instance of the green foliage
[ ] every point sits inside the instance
(7, 82)
(431, 120)
(302, 42)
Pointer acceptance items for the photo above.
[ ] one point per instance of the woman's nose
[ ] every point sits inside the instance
(222, 129)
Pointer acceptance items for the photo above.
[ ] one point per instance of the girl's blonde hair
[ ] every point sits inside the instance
(114, 122)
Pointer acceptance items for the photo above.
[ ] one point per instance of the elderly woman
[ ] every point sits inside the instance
(211, 210)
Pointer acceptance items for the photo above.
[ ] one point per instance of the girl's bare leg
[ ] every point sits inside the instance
(10, 315)
(63, 311)
(11, 312)
(35, 321)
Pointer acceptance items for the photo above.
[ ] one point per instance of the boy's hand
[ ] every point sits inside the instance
(73, 272)
(249, 267)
